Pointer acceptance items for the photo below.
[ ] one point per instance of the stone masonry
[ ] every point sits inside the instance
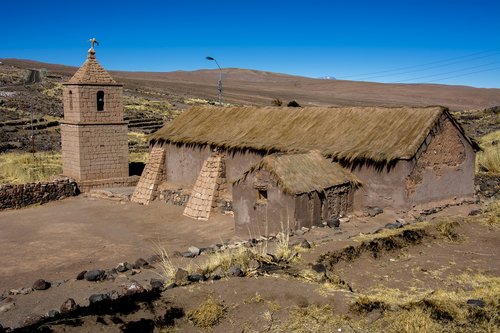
(146, 189)
(210, 183)
(93, 133)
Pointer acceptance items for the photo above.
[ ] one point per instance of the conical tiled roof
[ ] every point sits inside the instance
(91, 72)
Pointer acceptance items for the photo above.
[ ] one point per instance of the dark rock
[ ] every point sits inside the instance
(81, 275)
(305, 244)
(140, 263)
(122, 267)
(155, 258)
(476, 302)
(134, 288)
(68, 305)
(111, 274)
(217, 274)
(394, 225)
(319, 268)
(181, 276)
(374, 211)
(41, 284)
(96, 298)
(156, 284)
(2, 330)
(114, 295)
(333, 223)
(52, 313)
(235, 271)
(196, 278)
(94, 275)
(475, 212)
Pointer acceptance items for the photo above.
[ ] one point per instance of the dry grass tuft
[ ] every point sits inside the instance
(19, 168)
(408, 321)
(385, 233)
(491, 216)
(447, 231)
(207, 314)
(167, 268)
(488, 160)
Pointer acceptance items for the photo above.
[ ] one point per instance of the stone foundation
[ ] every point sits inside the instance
(87, 185)
(18, 196)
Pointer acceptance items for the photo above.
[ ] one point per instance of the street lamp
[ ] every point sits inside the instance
(219, 85)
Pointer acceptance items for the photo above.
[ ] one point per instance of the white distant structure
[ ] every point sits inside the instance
(327, 78)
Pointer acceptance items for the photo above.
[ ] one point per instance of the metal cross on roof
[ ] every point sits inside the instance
(92, 42)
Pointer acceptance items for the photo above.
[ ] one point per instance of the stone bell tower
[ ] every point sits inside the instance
(93, 133)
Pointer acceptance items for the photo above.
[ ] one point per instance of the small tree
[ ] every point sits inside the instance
(293, 104)
(276, 102)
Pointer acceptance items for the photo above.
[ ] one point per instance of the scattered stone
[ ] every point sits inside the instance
(305, 244)
(218, 273)
(253, 265)
(22, 291)
(344, 220)
(188, 254)
(96, 298)
(68, 306)
(476, 302)
(7, 307)
(81, 275)
(94, 275)
(333, 223)
(305, 229)
(235, 271)
(41, 284)
(156, 284)
(30, 319)
(394, 225)
(318, 268)
(374, 211)
(475, 212)
(140, 263)
(299, 232)
(194, 250)
(181, 277)
(337, 231)
(114, 295)
(111, 274)
(154, 259)
(122, 267)
(134, 288)
(52, 313)
(196, 278)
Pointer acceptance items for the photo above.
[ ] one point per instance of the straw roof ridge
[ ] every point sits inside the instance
(347, 134)
(303, 172)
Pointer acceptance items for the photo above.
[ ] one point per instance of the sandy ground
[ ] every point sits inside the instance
(56, 240)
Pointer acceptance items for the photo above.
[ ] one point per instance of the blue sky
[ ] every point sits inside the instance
(410, 41)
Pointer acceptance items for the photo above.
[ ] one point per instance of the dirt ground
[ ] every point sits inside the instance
(58, 240)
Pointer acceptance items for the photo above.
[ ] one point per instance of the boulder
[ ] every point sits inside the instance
(81, 275)
(134, 288)
(476, 302)
(41, 284)
(122, 267)
(374, 211)
(333, 222)
(140, 263)
(94, 275)
(235, 271)
(96, 298)
(68, 306)
(181, 276)
(156, 284)
(194, 250)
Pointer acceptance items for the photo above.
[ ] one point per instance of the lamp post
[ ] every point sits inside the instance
(219, 85)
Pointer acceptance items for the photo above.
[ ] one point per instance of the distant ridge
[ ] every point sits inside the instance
(254, 87)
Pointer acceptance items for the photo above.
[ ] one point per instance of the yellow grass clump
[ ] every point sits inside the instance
(488, 160)
(207, 314)
(19, 168)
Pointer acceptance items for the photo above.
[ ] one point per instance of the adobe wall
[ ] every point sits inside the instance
(92, 152)
(443, 168)
(255, 217)
(81, 104)
(184, 163)
(381, 188)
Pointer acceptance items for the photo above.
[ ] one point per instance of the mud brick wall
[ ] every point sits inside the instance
(146, 189)
(210, 184)
(17, 196)
(92, 152)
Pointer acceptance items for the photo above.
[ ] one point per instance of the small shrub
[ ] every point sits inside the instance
(276, 102)
(448, 232)
(488, 160)
(207, 314)
(293, 104)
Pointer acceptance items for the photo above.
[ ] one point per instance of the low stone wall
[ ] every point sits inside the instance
(17, 196)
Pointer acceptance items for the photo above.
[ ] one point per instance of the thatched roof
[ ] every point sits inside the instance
(347, 134)
(303, 173)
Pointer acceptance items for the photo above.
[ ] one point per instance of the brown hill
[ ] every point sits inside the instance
(244, 86)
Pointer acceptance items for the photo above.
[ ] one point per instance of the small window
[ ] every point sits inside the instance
(70, 100)
(100, 101)
(261, 195)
